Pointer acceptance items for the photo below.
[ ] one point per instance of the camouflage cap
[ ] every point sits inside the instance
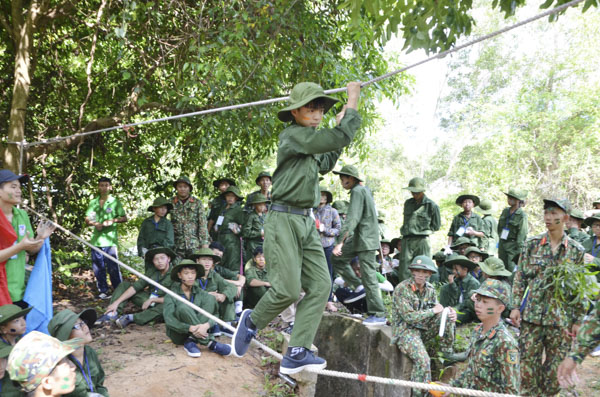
(464, 197)
(34, 357)
(302, 94)
(159, 202)
(423, 262)
(485, 207)
(349, 170)
(589, 221)
(577, 214)
(494, 289)
(185, 180)
(10, 312)
(205, 252)
(460, 241)
(62, 323)
(218, 181)
(563, 204)
(517, 193)
(263, 174)
(493, 266)
(234, 189)
(416, 185)
(187, 263)
(469, 250)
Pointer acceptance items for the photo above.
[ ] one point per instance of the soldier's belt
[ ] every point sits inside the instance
(291, 210)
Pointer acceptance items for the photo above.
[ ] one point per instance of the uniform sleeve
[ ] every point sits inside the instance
(170, 235)
(250, 229)
(520, 283)
(202, 230)
(355, 210)
(588, 336)
(336, 225)
(436, 222)
(225, 288)
(448, 294)
(508, 360)
(169, 315)
(453, 226)
(523, 229)
(141, 240)
(404, 310)
(226, 273)
(90, 208)
(99, 378)
(251, 275)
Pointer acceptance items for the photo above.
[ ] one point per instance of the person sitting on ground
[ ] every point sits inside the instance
(217, 204)
(263, 180)
(232, 277)
(441, 277)
(493, 356)
(476, 256)
(460, 246)
(213, 283)
(461, 284)
(12, 324)
(466, 223)
(185, 326)
(156, 230)
(65, 326)
(576, 219)
(141, 293)
(257, 281)
(416, 320)
(253, 230)
(39, 364)
(329, 225)
(8, 388)
(512, 228)
(229, 230)
(383, 258)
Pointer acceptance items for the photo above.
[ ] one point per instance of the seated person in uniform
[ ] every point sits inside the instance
(12, 324)
(156, 230)
(232, 277)
(476, 255)
(460, 246)
(441, 277)
(460, 287)
(257, 281)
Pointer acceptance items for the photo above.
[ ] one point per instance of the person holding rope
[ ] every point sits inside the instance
(292, 246)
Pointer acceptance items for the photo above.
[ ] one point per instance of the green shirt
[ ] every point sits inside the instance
(151, 272)
(490, 229)
(420, 219)
(233, 214)
(96, 374)
(578, 235)
(255, 273)
(461, 221)
(458, 294)
(15, 266)
(214, 282)
(361, 220)
(303, 153)
(155, 234)
(200, 298)
(9, 388)
(592, 247)
(112, 209)
(516, 225)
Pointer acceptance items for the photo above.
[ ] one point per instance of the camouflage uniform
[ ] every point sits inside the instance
(189, 225)
(413, 322)
(588, 336)
(543, 321)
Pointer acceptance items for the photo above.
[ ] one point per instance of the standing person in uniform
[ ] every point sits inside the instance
(576, 219)
(229, 230)
(490, 227)
(592, 244)
(512, 228)
(217, 204)
(189, 222)
(253, 230)
(329, 225)
(361, 221)
(467, 223)
(292, 247)
(263, 180)
(545, 323)
(103, 213)
(421, 219)
(156, 230)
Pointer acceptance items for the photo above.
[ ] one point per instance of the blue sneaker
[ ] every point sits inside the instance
(595, 352)
(124, 321)
(191, 348)
(106, 318)
(243, 334)
(215, 330)
(374, 321)
(226, 332)
(220, 348)
(306, 359)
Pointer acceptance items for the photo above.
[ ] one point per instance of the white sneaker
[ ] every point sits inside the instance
(359, 288)
(104, 296)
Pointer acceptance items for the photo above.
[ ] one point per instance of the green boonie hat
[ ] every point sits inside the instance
(439, 256)
(494, 289)
(341, 206)
(416, 185)
(463, 197)
(10, 312)
(159, 250)
(185, 180)
(34, 357)
(589, 221)
(460, 260)
(423, 262)
(349, 170)
(62, 323)
(159, 202)
(519, 194)
(217, 182)
(386, 241)
(323, 189)
(577, 214)
(258, 199)
(563, 204)
(485, 207)
(264, 173)
(381, 216)
(301, 94)
(460, 241)
(493, 266)
(596, 202)
(234, 190)
(187, 263)
(395, 241)
(485, 255)
(205, 252)
(5, 350)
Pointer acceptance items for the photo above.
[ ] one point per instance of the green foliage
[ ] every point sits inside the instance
(571, 286)
(275, 388)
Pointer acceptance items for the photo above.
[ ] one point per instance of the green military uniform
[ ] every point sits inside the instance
(154, 234)
(588, 336)
(490, 227)
(253, 294)
(381, 223)
(543, 320)
(258, 193)
(458, 294)
(592, 244)
(214, 282)
(575, 233)
(8, 388)
(512, 229)
(253, 229)
(292, 245)
(233, 255)
(216, 207)
(361, 222)
(189, 223)
(461, 221)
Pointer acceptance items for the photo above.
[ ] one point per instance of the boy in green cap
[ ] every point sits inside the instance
(461, 245)
(156, 230)
(461, 283)
(217, 204)
(512, 228)
(145, 296)
(443, 272)
(229, 230)
(592, 244)
(576, 220)
(189, 222)
(263, 180)
(12, 323)
(257, 280)
(292, 245)
(467, 223)
(490, 227)
(66, 325)
(186, 326)
(253, 230)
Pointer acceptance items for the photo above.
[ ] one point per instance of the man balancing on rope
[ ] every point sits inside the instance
(292, 246)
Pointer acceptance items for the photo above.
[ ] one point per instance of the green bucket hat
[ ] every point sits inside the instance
(349, 170)
(589, 221)
(439, 256)
(395, 242)
(159, 250)
(234, 189)
(258, 199)
(217, 182)
(185, 180)
(577, 214)
(494, 289)
(262, 174)
(341, 206)
(464, 197)
(323, 189)
(159, 202)
(597, 201)
(34, 357)
(563, 204)
(460, 241)
(416, 185)
(484, 255)
(485, 207)
(460, 260)
(187, 263)
(10, 312)
(381, 216)
(493, 266)
(301, 94)
(205, 252)
(388, 242)
(62, 323)
(423, 262)
(519, 194)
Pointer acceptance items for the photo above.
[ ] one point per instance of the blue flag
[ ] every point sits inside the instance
(39, 291)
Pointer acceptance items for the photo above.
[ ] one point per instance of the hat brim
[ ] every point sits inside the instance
(168, 205)
(159, 250)
(484, 212)
(508, 194)
(464, 197)
(177, 269)
(183, 181)
(262, 176)
(414, 189)
(18, 314)
(552, 203)
(590, 220)
(285, 114)
(343, 173)
(472, 244)
(217, 182)
(421, 267)
(487, 270)
(487, 294)
(466, 263)
(216, 259)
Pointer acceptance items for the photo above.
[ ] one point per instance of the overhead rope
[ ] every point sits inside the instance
(274, 353)
(331, 91)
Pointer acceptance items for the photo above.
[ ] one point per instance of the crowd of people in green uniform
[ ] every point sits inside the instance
(288, 247)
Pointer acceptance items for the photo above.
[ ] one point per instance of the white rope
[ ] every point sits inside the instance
(277, 355)
(331, 91)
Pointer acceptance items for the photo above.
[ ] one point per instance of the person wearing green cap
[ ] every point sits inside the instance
(493, 355)
(441, 277)
(461, 283)
(67, 325)
(576, 220)
(189, 221)
(361, 221)
(381, 223)
(217, 204)
(156, 230)
(8, 388)
(341, 206)
(476, 256)
(512, 228)
(292, 246)
(257, 279)
(12, 323)
(185, 326)
(383, 258)
(253, 230)
(416, 320)
(546, 323)
(592, 244)
(229, 230)
(264, 181)
(329, 225)
(467, 223)
(490, 227)
(141, 293)
(421, 219)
